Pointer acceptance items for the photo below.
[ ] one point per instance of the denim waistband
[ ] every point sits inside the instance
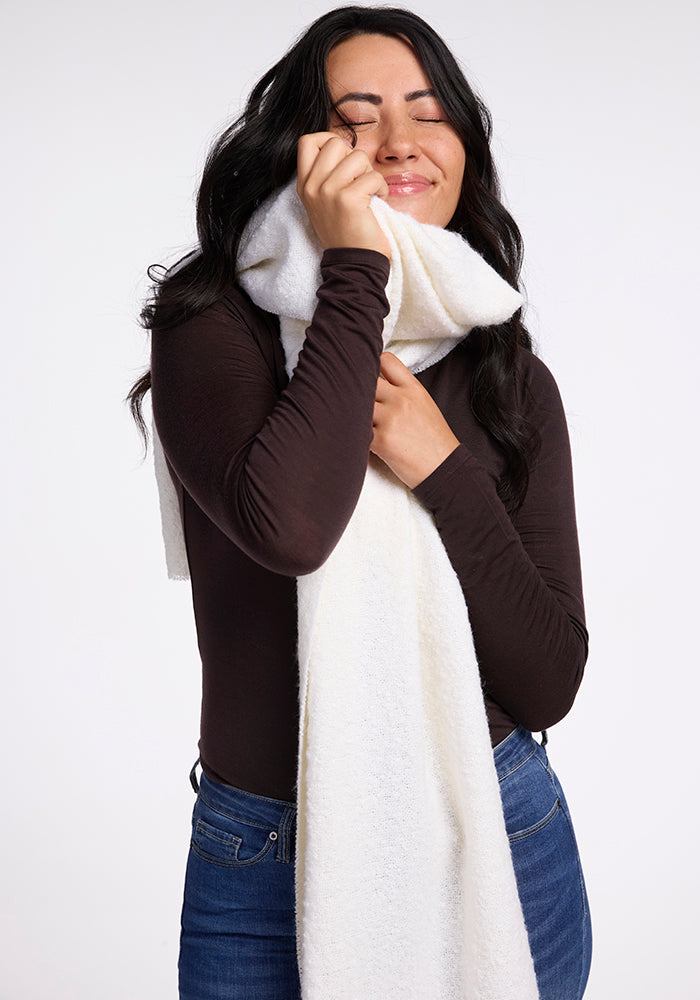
(246, 806)
(255, 810)
(513, 750)
(260, 809)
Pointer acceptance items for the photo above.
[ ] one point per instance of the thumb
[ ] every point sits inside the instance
(393, 370)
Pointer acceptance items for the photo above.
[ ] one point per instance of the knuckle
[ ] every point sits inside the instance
(324, 189)
(360, 156)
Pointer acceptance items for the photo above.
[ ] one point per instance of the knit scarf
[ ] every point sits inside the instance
(405, 888)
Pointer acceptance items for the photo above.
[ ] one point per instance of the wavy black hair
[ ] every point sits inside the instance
(293, 99)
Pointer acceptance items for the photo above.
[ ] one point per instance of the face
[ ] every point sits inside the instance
(379, 87)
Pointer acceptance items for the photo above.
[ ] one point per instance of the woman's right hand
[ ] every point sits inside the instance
(335, 183)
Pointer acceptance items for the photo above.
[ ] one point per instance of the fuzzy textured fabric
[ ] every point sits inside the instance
(405, 886)
(170, 515)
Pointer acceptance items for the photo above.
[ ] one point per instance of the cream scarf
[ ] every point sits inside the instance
(405, 886)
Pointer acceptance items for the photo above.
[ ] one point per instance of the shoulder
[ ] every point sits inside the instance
(236, 303)
(232, 307)
(235, 311)
(232, 326)
(536, 386)
(541, 406)
(236, 307)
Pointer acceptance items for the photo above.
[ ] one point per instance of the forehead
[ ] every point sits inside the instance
(373, 63)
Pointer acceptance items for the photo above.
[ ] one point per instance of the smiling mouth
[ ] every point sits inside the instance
(407, 184)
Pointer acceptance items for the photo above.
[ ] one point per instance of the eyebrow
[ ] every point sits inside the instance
(357, 95)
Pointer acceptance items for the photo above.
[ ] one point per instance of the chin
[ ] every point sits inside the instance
(417, 212)
(410, 205)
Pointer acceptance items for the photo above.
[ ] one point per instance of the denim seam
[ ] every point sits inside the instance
(546, 765)
(516, 766)
(284, 834)
(584, 907)
(211, 859)
(229, 815)
(578, 864)
(254, 795)
(545, 821)
(511, 735)
(206, 829)
(585, 966)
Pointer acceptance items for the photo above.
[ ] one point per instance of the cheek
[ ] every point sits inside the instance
(457, 161)
(450, 157)
(457, 180)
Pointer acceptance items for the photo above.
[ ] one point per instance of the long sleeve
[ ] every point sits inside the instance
(277, 469)
(521, 579)
(271, 469)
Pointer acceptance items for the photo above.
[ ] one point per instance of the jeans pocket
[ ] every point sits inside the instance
(226, 840)
(529, 796)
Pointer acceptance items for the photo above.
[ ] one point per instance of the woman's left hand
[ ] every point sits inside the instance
(410, 433)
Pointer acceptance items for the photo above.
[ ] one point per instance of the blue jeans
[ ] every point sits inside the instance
(238, 929)
(238, 938)
(547, 867)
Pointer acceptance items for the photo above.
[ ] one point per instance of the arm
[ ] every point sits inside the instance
(279, 474)
(521, 579)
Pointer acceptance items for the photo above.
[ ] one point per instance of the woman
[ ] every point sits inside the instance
(342, 509)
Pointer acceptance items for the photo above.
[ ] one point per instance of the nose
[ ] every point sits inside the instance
(398, 142)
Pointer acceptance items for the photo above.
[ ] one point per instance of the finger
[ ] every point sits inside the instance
(393, 370)
(337, 166)
(364, 185)
(383, 390)
(309, 148)
(319, 156)
(378, 422)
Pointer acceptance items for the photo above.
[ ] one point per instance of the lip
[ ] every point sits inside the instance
(407, 184)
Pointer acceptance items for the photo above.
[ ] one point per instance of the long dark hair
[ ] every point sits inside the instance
(293, 99)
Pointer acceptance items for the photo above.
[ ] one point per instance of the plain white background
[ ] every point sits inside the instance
(108, 111)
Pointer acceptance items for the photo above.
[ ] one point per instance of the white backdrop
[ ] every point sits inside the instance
(108, 111)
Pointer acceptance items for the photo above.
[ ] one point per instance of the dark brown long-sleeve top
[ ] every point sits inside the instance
(270, 471)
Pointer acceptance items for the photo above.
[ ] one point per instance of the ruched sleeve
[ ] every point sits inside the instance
(521, 578)
(278, 468)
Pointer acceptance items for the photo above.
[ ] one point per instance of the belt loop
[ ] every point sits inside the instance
(193, 777)
(545, 738)
(284, 838)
